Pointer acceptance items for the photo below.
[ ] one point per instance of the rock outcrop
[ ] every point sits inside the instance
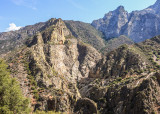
(85, 106)
(53, 65)
(137, 25)
(59, 73)
(112, 22)
(121, 62)
(126, 80)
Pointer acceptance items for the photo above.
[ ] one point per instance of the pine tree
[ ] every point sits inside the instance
(11, 98)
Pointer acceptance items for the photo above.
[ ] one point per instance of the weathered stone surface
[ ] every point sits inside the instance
(73, 77)
(54, 68)
(112, 22)
(120, 62)
(88, 58)
(137, 25)
(85, 106)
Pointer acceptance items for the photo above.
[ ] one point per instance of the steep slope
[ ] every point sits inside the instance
(126, 81)
(62, 74)
(151, 47)
(50, 66)
(123, 61)
(136, 94)
(86, 33)
(59, 73)
(14, 39)
(114, 43)
(137, 25)
(112, 22)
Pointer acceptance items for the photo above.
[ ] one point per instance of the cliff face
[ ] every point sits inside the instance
(112, 22)
(126, 80)
(59, 73)
(52, 65)
(137, 25)
(121, 62)
(135, 94)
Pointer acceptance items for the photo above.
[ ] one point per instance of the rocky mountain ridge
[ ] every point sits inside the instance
(137, 25)
(84, 32)
(60, 68)
(126, 80)
(15, 39)
(59, 73)
(51, 65)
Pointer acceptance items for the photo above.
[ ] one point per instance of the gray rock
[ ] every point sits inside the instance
(137, 25)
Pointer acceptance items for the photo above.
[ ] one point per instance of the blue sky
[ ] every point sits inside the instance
(27, 12)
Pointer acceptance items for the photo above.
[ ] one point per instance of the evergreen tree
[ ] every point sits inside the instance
(11, 98)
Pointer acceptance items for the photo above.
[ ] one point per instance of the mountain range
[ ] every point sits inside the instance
(74, 67)
(137, 25)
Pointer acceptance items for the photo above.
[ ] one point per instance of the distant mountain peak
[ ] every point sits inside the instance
(137, 25)
(120, 8)
(120, 11)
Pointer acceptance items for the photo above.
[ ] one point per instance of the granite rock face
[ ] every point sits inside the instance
(121, 62)
(61, 74)
(53, 65)
(112, 22)
(137, 25)
(73, 77)
(126, 80)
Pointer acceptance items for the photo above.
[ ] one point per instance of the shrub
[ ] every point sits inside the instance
(11, 99)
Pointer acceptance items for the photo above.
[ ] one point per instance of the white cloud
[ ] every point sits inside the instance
(12, 27)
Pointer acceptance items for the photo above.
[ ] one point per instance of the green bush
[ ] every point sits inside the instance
(11, 98)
